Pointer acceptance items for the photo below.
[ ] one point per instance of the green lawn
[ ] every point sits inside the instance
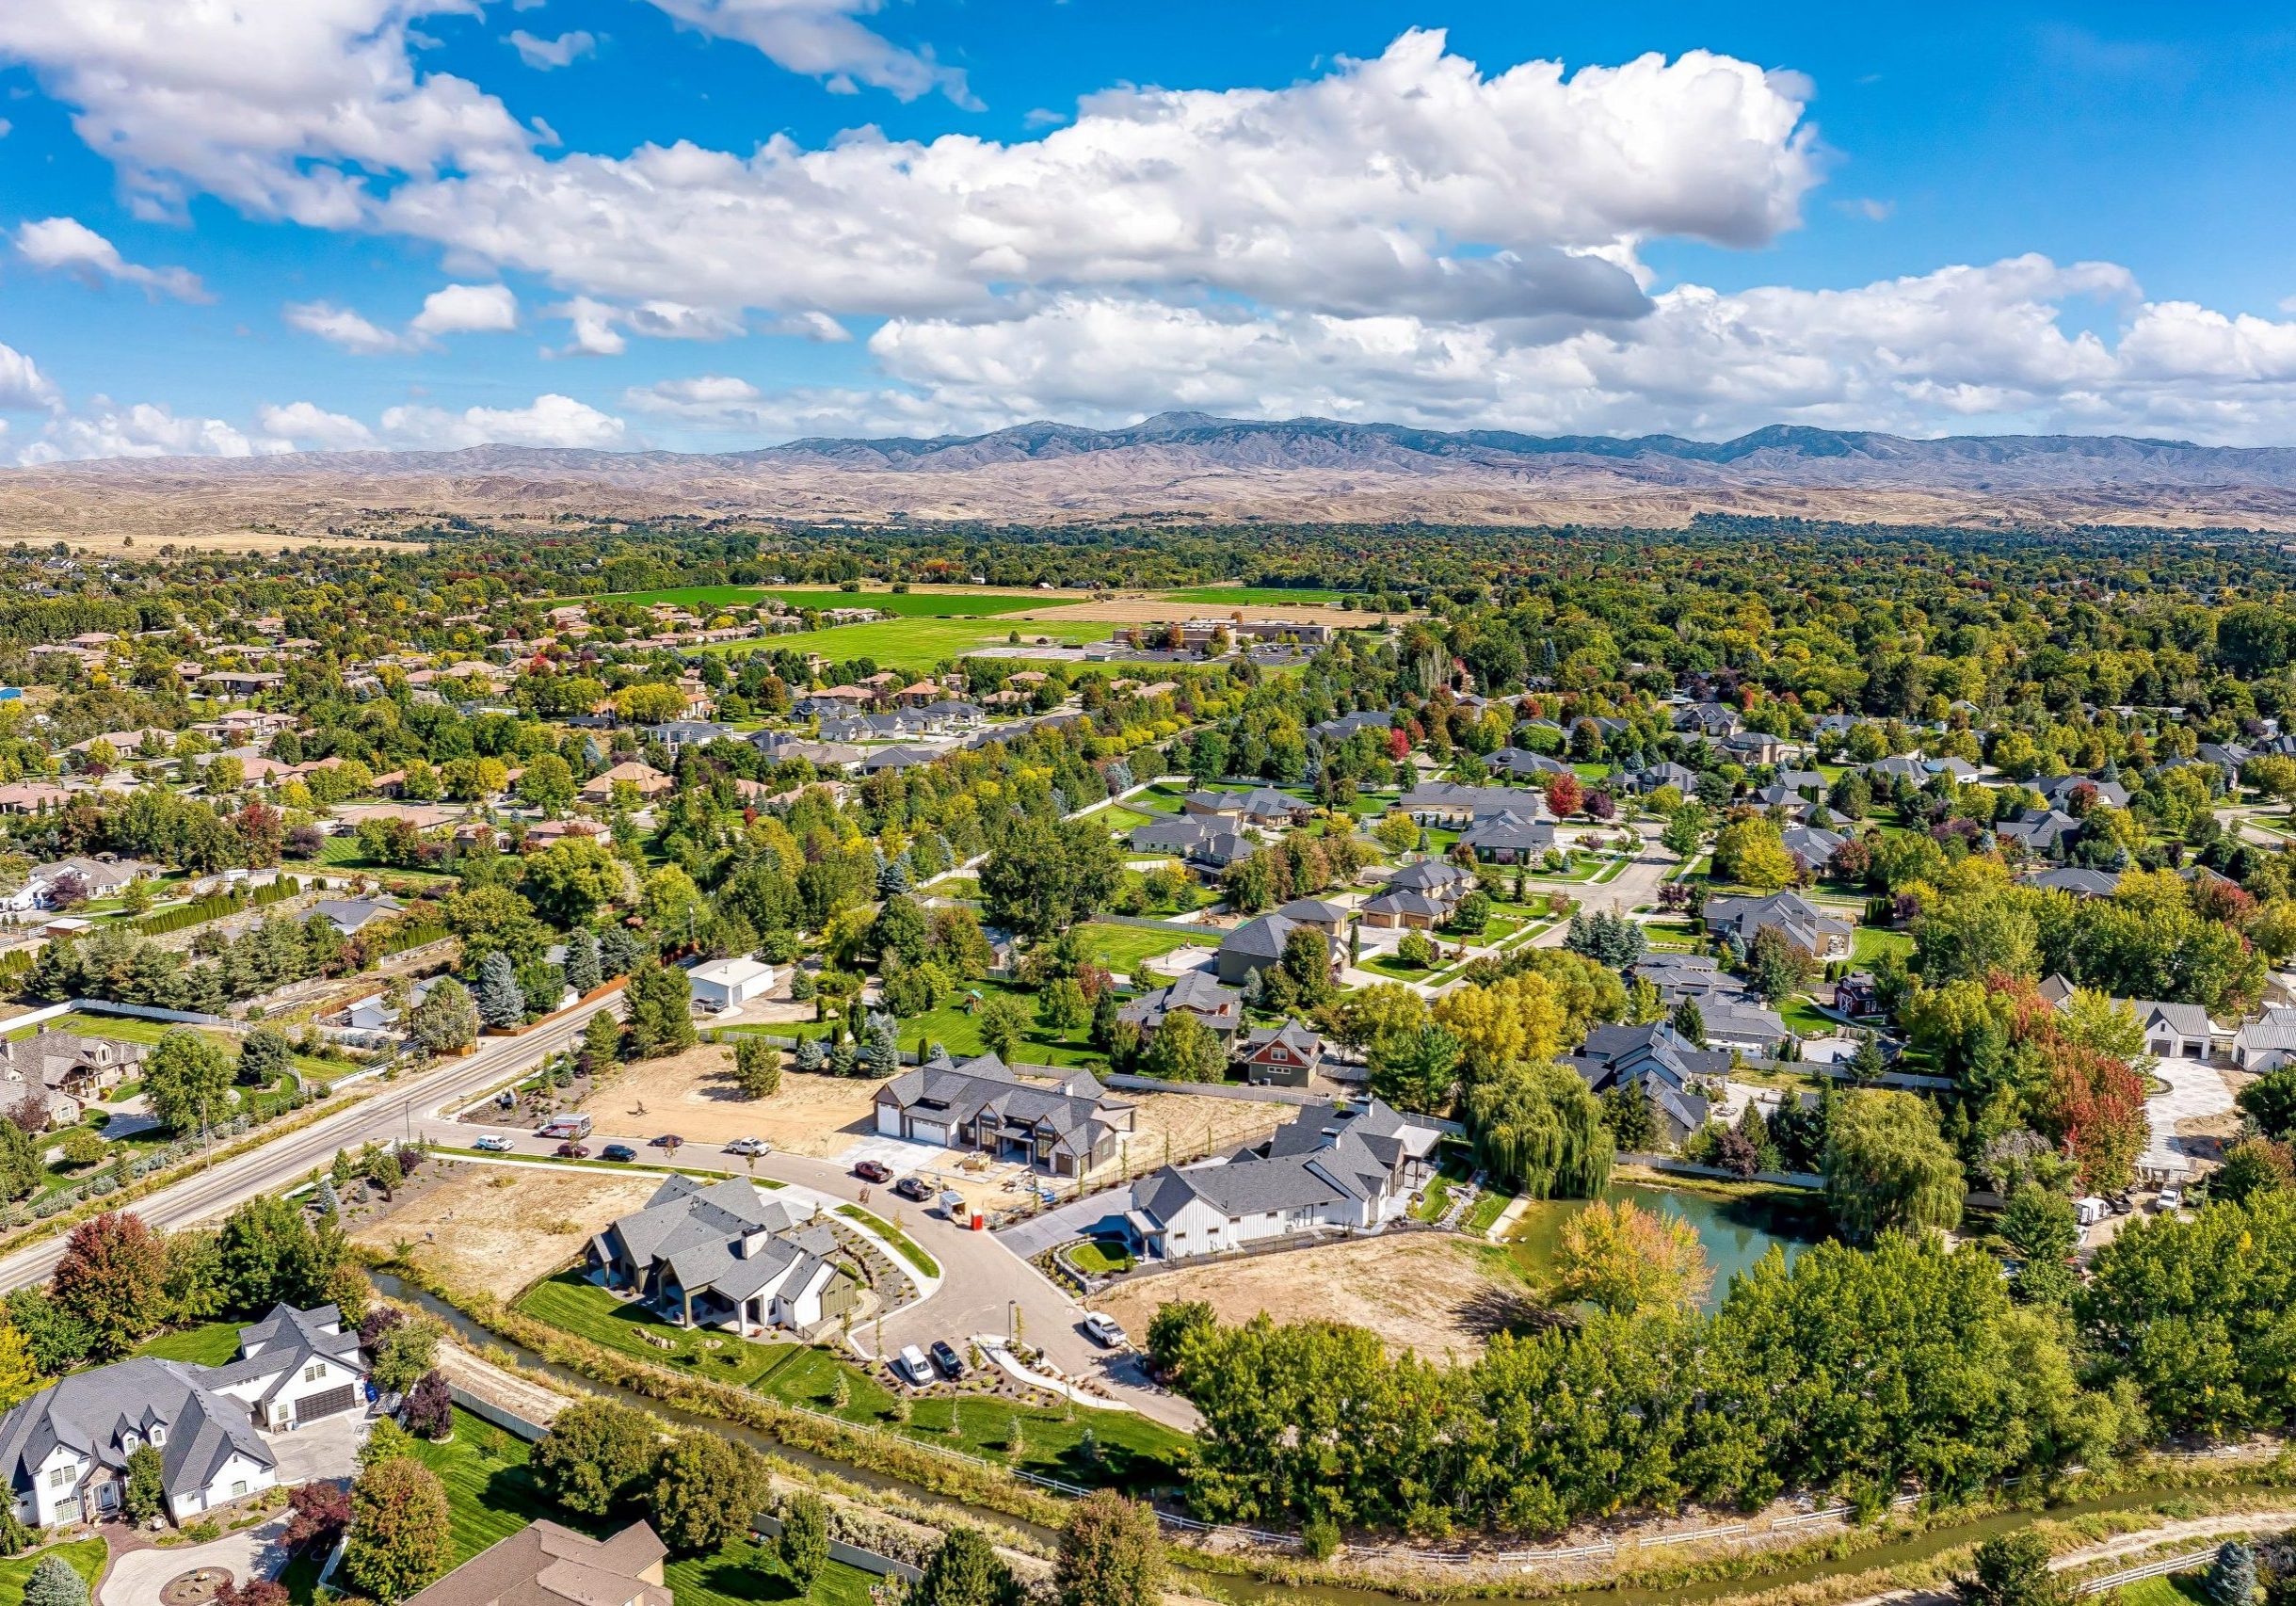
(1489, 1206)
(581, 1307)
(966, 888)
(85, 1556)
(130, 1029)
(949, 1026)
(490, 1496)
(211, 1343)
(1122, 947)
(1433, 1202)
(1869, 943)
(2177, 1589)
(1095, 1260)
(1803, 1020)
(917, 645)
(1131, 1451)
(1118, 817)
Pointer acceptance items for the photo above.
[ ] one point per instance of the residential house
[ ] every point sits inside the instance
(1507, 837)
(2040, 831)
(648, 781)
(1813, 848)
(351, 916)
(678, 735)
(1258, 944)
(1331, 731)
(2267, 1044)
(1681, 779)
(74, 1070)
(1714, 720)
(1659, 1062)
(1418, 897)
(1822, 935)
(1448, 803)
(1066, 1127)
(722, 1255)
(1521, 763)
(1753, 748)
(1197, 993)
(2057, 791)
(2080, 881)
(1335, 1168)
(2171, 1030)
(545, 1564)
(31, 796)
(1288, 1055)
(1202, 839)
(66, 1449)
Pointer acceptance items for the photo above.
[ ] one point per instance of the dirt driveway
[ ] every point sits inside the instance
(693, 1095)
(1419, 1291)
(498, 1228)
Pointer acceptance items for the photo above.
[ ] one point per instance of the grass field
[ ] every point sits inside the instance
(1125, 1449)
(917, 644)
(570, 1302)
(128, 1029)
(1122, 947)
(490, 1495)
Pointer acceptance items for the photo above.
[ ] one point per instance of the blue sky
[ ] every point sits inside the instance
(225, 237)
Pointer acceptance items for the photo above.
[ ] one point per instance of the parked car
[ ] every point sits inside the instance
(913, 1188)
(951, 1365)
(494, 1143)
(573, 1151)
(617, 1151)
(668, 1140)
(1104, 1331)
(912, 1366)
(874, 1171)
(750, 1146)
(2171, 1198)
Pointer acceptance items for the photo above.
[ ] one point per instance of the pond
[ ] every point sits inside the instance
(1735, 1229)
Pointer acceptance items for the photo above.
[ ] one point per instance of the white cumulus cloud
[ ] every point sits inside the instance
(339, 326)
(22, 387)
(68, 244)
(467, 308)
(549, 421)
(308, 424)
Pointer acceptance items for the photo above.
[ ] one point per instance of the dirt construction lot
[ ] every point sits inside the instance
(1419, 1291)
(693, 1095)
(1154, 609)
(498, 1228)
(1168, 1127)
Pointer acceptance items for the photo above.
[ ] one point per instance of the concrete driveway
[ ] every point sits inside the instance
(2197, 1090)
(1075, 1219)
(136, 1577)
(327, 1450)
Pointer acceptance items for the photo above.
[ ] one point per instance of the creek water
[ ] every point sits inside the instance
(1735, 1230)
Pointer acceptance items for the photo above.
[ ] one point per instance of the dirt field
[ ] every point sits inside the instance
(1173, 1127)
(498, 1228)
(188, 545)
(693, 1095)
(1418, 1290)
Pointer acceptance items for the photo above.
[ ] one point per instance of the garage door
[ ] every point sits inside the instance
(929, 1131)
(331, 1403)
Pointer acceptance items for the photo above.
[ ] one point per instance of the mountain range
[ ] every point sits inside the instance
(1193, 467)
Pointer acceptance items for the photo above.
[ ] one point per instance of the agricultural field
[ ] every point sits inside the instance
(952, 603)
(917, 645)
(1251, 596)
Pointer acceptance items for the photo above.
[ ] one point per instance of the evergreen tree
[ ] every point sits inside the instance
(1690, 1021)
(617, 950)
(54, 1582)
(880, 1051)
(812, 1057)
(659, 1000)
(502, 1002)
(582, 966)
(602, 1042)
(2232, 1577)
(966, 1570)
(756, 1067)
(803, 1547)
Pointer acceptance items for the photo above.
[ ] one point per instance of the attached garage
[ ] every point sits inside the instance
(929, 1131)
(327, 1402)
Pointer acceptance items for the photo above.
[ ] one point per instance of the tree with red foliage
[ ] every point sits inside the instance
(1564, 793)
(114, 1278)
(262, 832)
(429, 1410)
(1599, 805)
(2091, 1100)
(1399, 743)
(318, 1514)
(255, 1592)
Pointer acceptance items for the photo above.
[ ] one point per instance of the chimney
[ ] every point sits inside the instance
(754, 1240)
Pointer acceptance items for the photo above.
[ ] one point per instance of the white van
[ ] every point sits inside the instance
(912, 1365)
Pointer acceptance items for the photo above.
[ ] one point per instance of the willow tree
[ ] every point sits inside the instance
(1540, 1125)
(1888, 1168)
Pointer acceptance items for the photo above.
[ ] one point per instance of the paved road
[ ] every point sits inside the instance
(392, 1110)
(1636, 885)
